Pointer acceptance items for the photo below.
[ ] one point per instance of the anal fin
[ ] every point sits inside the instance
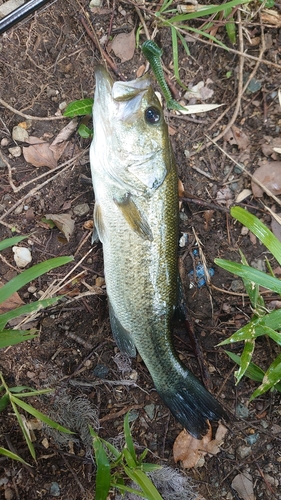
(122, 337)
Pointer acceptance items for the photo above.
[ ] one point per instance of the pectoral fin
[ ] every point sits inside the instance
(99, 229)
(134, 217)
(122, 337)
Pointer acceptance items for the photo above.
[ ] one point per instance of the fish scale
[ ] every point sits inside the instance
(136, 219)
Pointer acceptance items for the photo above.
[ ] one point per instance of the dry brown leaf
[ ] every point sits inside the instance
(237, 137)
(189, 450)
(11, 303)
(123, 46)
(64, 223)
(243, 485)
(225, 196)
(276, 227)
(269, 174)
(39, 153)
(270, 16)
(270, 146)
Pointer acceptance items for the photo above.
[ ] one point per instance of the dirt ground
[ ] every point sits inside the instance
(45, 61)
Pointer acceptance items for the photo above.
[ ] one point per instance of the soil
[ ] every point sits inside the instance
(49, 59)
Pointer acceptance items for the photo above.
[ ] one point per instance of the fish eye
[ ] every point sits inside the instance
(152, 115)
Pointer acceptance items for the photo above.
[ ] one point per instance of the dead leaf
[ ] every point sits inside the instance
(243, 485)
(243, 195)
(123, 46)
(39, 153)
(61, 141)
(199, 91)
(271, 145)
(225, 196)
(270, 16)
(269, 174)
(64, 223)
(11, 303)
(237, 137)
(276, 227)
(189, 450)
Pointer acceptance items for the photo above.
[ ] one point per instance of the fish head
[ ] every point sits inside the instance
(131, 143)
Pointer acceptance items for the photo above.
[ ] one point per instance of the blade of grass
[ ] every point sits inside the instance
(13, 337)
(31, 274)
(103, 471)
(246, 358)
(251, 274)
(259, 230)
(128, 438)
(40, 416)
(13, 456)
(10, 242)
(271, 377)
(27, 309)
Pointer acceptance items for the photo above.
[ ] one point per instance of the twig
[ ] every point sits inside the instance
(30, 117)
(264, 188)
(259, 61)
(40, 186)
(96, 42)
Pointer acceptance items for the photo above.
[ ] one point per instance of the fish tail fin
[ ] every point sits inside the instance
(192, 405)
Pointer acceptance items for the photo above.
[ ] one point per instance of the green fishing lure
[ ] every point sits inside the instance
(153, 54)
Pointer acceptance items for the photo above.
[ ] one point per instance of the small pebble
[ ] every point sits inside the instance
(81, 209)
(22, 256)
(244, 451)
(55, 490)
(4, 142)
(252, 439)
(100, 371)
(9, 494)
(15, 151)
(19, 134)
(237, 286)
(150, 410)
(241, 411)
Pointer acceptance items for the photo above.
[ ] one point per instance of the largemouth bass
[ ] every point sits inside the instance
(136, 219)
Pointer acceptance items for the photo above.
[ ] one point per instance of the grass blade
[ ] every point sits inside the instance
(103, 471)
(27, 309)
(31, 274)
(251, 274)
(10, 242)
(40, 416)
(128, 438)
(259, 230)
(246, 358)
(13, 456)
(271, 377)
(13, 337)
(141, 479)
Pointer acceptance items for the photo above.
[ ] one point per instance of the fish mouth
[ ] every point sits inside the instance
(117, 99)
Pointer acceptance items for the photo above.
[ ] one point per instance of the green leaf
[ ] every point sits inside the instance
(33, 393)
(207, 11)
(129, 459)
(271, 377)
(251, 288)
(141, 479)
(23, 429)
(103, 471)
(246, 358)
(12, 337)
(230, 26)
(253, 372)
(84, 131)
(27, 309)
(13, 456)
(10, 242)
(31, 274)
(4, 401)
(251, 274)
(146, 467)
(259, 230)
(40, 416)
(175, 52)
(128, 438)
(79, 108)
